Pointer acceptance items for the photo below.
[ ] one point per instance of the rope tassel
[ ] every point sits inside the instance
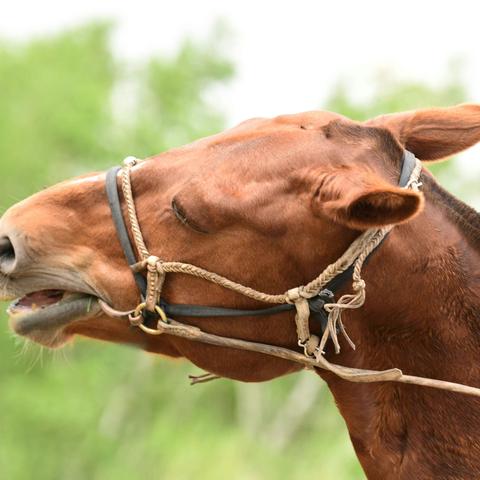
(350, 301)
(335, 310)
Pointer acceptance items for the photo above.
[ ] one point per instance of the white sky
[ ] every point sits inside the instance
(288, 54)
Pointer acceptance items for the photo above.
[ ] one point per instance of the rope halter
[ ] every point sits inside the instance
(313, 345)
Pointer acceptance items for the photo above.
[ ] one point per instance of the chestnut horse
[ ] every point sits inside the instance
(269, 204)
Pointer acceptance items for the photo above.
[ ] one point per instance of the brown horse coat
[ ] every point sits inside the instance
(270, 203)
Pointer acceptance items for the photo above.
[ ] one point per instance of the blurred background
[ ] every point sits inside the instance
(83, 85)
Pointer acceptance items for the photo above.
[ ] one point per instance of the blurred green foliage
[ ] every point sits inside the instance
(55, 104)
(390, 94)
(101, 411)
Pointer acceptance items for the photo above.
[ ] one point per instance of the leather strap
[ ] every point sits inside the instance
(121, 228)
(408, 164)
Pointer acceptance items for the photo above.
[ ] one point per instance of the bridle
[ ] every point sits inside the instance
(314, 300)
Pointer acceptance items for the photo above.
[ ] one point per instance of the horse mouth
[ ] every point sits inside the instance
(41, 315)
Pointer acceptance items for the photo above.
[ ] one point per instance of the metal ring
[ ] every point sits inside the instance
(150, 331)
(163, 320)
(304, 346)
(141, 306)
(161, 314)
(139, 309)
(137, 315)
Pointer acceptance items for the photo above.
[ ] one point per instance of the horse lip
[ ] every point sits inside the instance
(48, 326)
(52, 318)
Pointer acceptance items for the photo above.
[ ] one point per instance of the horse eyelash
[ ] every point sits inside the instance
(179, 212)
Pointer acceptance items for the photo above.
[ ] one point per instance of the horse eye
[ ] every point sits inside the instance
(179, 212)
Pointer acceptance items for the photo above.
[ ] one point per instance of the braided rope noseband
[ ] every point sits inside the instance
(304, 299)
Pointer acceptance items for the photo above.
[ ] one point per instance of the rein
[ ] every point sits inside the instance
(316, 299)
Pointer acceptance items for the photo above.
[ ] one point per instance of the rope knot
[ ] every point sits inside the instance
(299, 297)
(151, 263)
(358, 285)
(130, 161)
(296, 294)
(293, 295)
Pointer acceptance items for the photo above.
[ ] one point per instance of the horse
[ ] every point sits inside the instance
(269, 204)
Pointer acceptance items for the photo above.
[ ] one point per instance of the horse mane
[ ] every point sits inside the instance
(464, 216)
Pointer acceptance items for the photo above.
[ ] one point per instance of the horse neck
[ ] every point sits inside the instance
(422, 315)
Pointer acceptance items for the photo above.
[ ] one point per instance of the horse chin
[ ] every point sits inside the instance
(42, 316)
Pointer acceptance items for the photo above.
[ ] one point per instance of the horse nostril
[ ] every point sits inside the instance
(7, 255)
(7, 251)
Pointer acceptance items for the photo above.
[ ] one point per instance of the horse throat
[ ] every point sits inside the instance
(422, 315)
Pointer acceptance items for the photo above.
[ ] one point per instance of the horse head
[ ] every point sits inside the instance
(267, 204)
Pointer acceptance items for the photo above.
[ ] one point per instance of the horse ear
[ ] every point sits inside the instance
(362, 203)
(435, 133)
